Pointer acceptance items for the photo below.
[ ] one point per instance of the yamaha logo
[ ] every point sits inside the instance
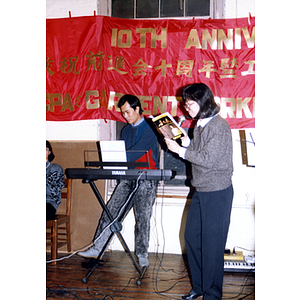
(118, 172)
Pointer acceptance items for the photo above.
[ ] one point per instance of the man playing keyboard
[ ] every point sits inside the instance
(138, 136)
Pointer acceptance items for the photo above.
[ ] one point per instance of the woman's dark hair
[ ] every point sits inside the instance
(132, 100)
(203, 95)
(51, 155)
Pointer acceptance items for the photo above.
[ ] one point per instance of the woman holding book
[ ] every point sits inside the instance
(210, 153)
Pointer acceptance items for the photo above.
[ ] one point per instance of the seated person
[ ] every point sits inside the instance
(138, 136)
(55, 181)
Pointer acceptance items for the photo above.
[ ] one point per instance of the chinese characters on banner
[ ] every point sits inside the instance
(92, 61)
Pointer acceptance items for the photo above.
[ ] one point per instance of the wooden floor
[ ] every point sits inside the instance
(116, 277)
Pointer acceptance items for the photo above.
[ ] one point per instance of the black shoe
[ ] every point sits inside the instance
(191, 295)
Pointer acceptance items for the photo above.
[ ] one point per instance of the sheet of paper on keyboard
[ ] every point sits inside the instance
(113, 151)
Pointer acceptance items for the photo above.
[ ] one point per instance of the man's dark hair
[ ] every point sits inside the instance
(132, 100)
(203, 95)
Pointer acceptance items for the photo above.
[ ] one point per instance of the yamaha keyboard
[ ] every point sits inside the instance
(89, 175)
(142, 174)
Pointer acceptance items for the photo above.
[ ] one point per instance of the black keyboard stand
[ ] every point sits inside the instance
(116, 228)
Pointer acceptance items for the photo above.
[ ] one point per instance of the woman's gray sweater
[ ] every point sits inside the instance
(210, 153)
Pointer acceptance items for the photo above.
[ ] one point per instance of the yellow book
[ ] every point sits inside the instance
(167, 126)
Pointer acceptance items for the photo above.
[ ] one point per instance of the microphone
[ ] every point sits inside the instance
(181, 120)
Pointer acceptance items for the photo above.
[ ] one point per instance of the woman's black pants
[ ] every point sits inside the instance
(50, 212)
(205, 236)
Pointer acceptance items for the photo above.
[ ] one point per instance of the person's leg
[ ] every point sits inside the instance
(114, 205)
(216, 209)
(50, 212)
(193, 243)
(143, 203)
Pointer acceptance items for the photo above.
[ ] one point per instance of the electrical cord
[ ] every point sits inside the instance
(105, 228)
(70, 255)
(60, 291)
(121, 210)
(179, 280)
(163, 249)
(233, 251)
(162, 293)
(247, 276)
(73, 295)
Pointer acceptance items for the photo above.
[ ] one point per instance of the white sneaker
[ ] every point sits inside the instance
(89, 253)
(143, 261)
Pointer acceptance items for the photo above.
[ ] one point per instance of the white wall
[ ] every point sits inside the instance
(168, 213)
(61, 8)
(86, 130)
(239, 9)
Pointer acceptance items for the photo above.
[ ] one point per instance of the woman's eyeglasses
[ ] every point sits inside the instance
(188, 106)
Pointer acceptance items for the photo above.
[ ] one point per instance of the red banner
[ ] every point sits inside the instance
(92, 61)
